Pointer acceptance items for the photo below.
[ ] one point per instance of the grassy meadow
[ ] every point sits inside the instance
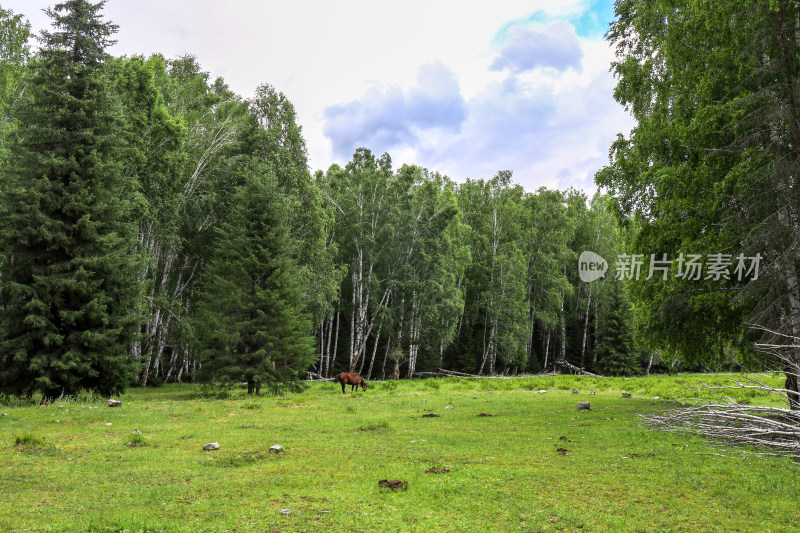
(535, 464)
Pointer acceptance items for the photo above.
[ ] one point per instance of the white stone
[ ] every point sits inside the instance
(285, 511)
(211, 446)
(276, 448)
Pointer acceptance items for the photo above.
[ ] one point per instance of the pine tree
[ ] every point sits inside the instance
(67, 274)
(252, 318)
(615, 350)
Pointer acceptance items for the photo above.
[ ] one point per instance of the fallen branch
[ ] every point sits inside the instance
(771, 430)
(735, 424)
(458, 374)
(314, 377)
(574, 369)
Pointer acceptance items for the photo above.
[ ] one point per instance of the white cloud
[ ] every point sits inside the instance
(550, 127)
(395, 118)
(525, 49)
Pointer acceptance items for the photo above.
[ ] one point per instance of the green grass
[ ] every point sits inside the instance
(64, 468)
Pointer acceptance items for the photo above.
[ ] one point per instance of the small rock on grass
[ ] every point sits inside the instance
(584, 406)
(211, 446)
(626, 394)
(285, 511)
(276, 449)
(114, 403)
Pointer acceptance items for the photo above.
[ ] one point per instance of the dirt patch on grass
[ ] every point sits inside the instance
(437, 470)
(484, 415)
(394, 484)
(431, 415)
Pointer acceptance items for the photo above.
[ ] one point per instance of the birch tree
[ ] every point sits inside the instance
(496, 287)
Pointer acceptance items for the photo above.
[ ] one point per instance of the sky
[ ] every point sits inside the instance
(466, 91)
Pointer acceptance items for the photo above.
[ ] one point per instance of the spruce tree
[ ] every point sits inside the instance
(66, 279)
(252, 319)
(615, 351)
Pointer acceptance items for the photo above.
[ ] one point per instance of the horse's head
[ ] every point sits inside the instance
(363, 385)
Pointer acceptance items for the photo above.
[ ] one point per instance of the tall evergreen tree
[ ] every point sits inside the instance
(615, 350)
(67, 274)
(252, 317)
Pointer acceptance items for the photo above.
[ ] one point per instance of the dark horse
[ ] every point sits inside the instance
(349, 378)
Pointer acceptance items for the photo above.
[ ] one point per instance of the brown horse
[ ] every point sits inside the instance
(349, 378)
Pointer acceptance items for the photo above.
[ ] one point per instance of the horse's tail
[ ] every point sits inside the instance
(336, 378)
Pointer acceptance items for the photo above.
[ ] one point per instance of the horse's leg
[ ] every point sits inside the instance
(342, 387)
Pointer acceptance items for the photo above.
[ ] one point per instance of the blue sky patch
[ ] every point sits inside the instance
(591, 22)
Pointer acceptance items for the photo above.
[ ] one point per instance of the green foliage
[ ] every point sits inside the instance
(496, 280)
(389, 386)
(615, 350)
(31, 444)
(136, 440)
(214, 390)
(432, 383)
(28, 439)
(710, 166)
(15, 32)
(70, 291)
(276, 141)
(251, 317)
